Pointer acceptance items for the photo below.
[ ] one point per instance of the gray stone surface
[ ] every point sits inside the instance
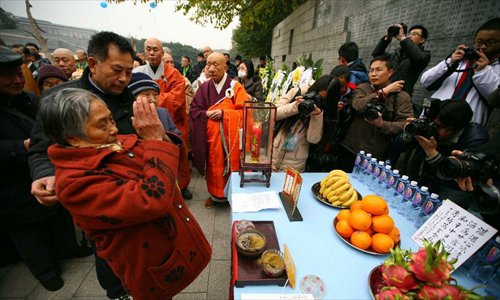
(16, 282)
(320, 27)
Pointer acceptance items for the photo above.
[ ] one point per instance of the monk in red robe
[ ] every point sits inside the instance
(172, 97)
(215, 116)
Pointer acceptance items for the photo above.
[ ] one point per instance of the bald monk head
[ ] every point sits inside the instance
(168, 59)
(207, 51)
(65, 60)
(154, 51)
(216, 66)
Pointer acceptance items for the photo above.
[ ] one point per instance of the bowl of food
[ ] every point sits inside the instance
(251, 242)
(273, 262)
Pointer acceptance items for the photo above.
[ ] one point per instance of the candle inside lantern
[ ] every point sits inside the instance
(255, 142)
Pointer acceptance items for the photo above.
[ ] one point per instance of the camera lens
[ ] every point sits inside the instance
(306, 107)
(451, 168)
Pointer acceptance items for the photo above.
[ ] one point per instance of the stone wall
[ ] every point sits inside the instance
(321, 26)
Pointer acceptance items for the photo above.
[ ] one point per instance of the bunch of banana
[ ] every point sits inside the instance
(337, 189)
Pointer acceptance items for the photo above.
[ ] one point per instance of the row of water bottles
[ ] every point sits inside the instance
(402, 194)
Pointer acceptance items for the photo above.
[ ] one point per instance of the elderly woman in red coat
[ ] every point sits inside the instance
(122, 191)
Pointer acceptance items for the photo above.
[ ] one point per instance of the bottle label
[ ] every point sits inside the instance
(493, 255)
(358, 159)
(383, 176)
(408, 193)
(417, 199)
(376, 172)
(400, 187)
(390, 180)
(369, 168)
(428, 208)
(365, 163)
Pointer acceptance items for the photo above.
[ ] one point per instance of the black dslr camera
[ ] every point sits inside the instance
(372, 109)
(393, 30)
(471, 54)
(424, 127)
(307, 106)
(479, 166)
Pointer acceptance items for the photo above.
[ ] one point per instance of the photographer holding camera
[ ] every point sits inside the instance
(380, 110)
(469, 74)
(430, 141)
(323, 156)
(410, 59)
(299, 121)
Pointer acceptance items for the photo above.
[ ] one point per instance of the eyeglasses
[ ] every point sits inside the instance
(479, 43)
(413, 33)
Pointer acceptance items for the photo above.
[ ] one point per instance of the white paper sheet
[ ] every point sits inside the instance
(461, 233)
(277, 297)
(253, 202)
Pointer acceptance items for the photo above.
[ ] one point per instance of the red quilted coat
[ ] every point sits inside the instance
(129, 204)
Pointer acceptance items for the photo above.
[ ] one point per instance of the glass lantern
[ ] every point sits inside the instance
(257, 150)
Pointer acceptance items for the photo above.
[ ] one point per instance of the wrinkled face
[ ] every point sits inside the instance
(11, 80)
(216, 67)
(65, 61)
(488, 42)
(168, 59)
(100, 128)
(184, 62)
(416, 36)
(50, 82)
(151, 95)
(154, 52)
(379, 73)
(113, 74)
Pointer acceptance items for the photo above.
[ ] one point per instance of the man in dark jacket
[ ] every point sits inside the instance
(453, 131)
(108, 74)
(410, 59)
(349, 56)
(30, 226)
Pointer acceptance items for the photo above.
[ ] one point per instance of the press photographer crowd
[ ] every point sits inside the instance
(83, 134)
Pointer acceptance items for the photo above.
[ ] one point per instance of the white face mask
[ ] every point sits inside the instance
(242, 73)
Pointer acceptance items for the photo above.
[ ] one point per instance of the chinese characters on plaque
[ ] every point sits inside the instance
(292, 186)
(461, 233)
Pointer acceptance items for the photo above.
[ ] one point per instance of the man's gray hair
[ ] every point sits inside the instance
(63, 114)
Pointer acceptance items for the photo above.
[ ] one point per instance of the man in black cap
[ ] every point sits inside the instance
(30, 226)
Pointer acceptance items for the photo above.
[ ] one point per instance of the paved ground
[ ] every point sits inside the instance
(80, 279)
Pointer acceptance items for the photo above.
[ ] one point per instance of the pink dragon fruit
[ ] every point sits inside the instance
(430, 264)
(446, 291)
(390, 293)
(395, 271)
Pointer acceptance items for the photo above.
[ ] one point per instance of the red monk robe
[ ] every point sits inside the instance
(209, 156)
(173, 98)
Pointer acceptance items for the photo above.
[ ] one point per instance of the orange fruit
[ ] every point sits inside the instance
(382, 243)
(355, 205)
(361, 239)
(343, 214)
(360, 219)
(344, 228)
(382, 224)
(374, 205)
(394, 234)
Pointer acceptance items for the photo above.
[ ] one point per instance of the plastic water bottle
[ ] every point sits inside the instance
(374, 177)
(382, 180)
(399, 191)
(486, 264)
(405, 204)
(390, 187)
(358, 163)
(428, 208)
(419, 198)
(369, 170)
(364, 166)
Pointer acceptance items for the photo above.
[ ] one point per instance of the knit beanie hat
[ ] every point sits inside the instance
(142, 82)
(48, 71)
